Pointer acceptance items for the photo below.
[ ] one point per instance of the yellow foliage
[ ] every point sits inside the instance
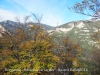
(32, 53)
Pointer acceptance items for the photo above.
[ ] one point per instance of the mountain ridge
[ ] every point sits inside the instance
(11, 25)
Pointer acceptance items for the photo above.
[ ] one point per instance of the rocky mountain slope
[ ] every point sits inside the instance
(79, 32)
(11, 25)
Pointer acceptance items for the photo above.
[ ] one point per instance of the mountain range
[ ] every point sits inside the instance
(11, 25)
(79, 32)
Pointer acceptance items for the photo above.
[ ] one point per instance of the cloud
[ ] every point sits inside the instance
(7, 15)
(54, 11)
(29, 5)
(51, 13)
(51, 10)
(49, 19)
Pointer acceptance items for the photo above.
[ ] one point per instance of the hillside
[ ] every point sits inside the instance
(79, 44)
(11, 25)
(79, 32)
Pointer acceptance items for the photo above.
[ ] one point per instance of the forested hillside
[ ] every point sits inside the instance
(36, 47)
(66, 49)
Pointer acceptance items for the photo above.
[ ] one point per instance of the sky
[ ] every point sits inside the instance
(53, 12)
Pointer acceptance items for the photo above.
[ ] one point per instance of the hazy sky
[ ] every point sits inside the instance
(54, 11)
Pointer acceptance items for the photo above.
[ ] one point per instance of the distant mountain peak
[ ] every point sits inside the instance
(11, 25)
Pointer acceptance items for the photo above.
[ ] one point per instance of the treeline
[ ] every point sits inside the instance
(32, 51)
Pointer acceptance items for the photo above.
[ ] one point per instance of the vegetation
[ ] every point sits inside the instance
(91, 8)
(87, 7)
(31, 50)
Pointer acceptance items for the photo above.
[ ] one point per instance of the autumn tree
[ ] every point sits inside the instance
(27, 50)
(91, 8)
(96, 53)
(70, 55)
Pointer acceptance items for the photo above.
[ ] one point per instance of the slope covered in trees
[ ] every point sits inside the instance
(31, 50)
